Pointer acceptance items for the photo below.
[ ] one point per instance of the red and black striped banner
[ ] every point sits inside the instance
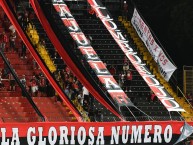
(108, 133)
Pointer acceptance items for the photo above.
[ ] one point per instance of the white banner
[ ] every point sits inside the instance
(165, 66)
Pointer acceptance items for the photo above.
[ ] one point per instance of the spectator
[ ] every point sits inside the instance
(129, 78)
(75, 85)
(125, 67)
(23, 82)
(73, 94)
(12, 39)
(34, 86)
(24, 20)
(62, 73)
(12, 28)
(43, 42)
(67, 90)
(80, 98)
(2, 86)
(35, 65)
(20, 16)
(42, 85)
(6, 70)
(121, 79)
(86, 106)
(11, 82)
(85, 93)
(23, 50)
(56, 57)
(4, 40)
(61, 79)
(67, 69)
(71, 79)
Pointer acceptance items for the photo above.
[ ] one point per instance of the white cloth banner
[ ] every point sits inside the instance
(165, 66)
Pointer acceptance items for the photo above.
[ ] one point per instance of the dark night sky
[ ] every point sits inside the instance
(172, 23)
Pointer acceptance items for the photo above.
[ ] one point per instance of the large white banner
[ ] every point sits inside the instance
(165, 66)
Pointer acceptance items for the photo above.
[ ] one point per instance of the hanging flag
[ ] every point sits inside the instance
(165, 66)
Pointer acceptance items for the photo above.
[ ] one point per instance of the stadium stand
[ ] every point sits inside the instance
(48, 104)
(111, 55)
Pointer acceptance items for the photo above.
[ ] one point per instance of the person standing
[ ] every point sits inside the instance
(11, 82)
(2, 86)
(12, 39)
(24, 19)
(85, 94)
(122, 79)
(67, 90)
(86, 106)
(129, 78)
(34, 86)
(4, 41)
(12, 28)
(23, 82)
(125, 67)
(80, 98)
(23, 50)
(6, 70)
(42, 85)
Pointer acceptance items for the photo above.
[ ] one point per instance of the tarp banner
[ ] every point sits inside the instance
(165, 66)
(91, 133)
